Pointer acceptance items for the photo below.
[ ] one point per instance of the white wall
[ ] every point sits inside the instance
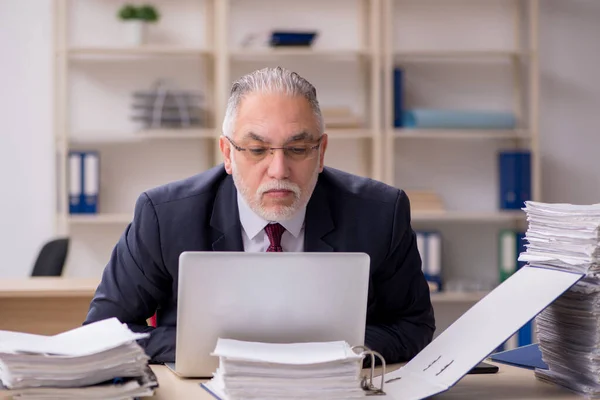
(26, 152)
(570, 106)
(570, 93)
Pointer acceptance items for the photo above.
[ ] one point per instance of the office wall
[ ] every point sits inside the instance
(569, 110)
(570, 86)
(26, 152)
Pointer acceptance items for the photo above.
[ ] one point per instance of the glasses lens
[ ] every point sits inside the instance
(299, 152)
(257, 153)
(296, 152)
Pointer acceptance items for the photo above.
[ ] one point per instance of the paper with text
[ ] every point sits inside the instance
(478, 332)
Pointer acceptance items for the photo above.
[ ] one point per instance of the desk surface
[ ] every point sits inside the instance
(47, 287)
(508, 383)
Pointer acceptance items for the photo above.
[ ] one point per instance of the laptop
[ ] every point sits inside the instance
(266, 297)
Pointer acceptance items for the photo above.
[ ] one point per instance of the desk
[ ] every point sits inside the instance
(508, 383)
(44, 305)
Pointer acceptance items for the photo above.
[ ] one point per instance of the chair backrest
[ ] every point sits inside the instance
(51, 259)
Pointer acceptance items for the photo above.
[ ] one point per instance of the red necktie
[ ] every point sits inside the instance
(274, 232)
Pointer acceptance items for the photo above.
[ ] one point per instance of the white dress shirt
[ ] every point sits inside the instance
(253, 230)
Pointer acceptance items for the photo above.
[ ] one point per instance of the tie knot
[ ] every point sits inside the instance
(274, 232)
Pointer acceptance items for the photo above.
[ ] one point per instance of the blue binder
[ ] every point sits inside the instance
(398, 97)
(529, 357)
(514, 169)
(524, 177)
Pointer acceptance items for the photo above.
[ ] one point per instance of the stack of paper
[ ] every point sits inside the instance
(567, 237)
(96, 361)
(250, 370)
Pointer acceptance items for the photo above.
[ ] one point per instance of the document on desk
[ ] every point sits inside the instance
(324, 370)
(100, 360)
(477, 333)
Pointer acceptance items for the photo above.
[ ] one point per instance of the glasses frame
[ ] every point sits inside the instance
(272, 149)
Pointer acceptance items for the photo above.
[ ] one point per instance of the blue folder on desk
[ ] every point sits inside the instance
(529, 357)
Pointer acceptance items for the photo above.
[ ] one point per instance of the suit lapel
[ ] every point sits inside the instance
(318, 222)
(225, 219)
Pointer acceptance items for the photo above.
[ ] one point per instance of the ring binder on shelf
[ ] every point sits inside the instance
(367, 383)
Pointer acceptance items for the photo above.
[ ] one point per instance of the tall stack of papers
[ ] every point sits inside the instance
(250, 370)
(96, 361)
(567, 238)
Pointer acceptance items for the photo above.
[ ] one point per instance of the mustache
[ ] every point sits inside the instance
(279, 185)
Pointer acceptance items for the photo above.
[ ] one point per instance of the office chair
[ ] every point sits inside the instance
(51, 259)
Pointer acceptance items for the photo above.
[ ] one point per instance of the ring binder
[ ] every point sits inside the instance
(255, 369)
(367, 382)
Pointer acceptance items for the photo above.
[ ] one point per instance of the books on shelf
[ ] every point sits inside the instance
(427, 118)
(340, 117)
(84, 182)
(101, 360)
(323, 370)
(164, 106)
(407, 117)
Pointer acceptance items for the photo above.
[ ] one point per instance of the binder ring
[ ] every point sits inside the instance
(367, 382)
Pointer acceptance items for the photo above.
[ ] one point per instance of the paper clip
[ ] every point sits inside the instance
(367, 382)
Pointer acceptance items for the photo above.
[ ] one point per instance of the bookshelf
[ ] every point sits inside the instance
(461, 55)
(199, 44)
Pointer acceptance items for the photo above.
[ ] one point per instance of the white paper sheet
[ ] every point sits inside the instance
(293, 353)
(85, 340)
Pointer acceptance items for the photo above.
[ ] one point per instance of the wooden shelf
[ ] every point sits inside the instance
(468, 216)
(99, 219)
(137, 51)
(354, 73)
(417, 216)
(262, 53)
(460, 134)
(457, 297)
(458, 54)
(140, 136)
(109, 138)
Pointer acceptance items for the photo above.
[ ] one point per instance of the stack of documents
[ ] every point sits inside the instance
(567, 238)
(250, 370)
(96, 361)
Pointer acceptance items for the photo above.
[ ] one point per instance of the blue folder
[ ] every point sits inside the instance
(529, 357)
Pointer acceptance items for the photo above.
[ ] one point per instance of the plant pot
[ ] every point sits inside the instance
(135, 33)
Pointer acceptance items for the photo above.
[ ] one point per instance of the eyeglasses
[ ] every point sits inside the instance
(294, 152)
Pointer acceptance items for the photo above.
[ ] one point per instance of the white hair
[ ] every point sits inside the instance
(270, 80)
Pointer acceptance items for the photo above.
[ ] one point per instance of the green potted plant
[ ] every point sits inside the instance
(136, 19)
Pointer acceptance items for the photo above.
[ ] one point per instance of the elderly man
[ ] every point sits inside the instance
(272, 193)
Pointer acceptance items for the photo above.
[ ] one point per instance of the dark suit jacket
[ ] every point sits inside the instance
(346, 213)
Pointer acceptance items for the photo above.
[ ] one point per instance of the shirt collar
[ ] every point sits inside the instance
(253, 224)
